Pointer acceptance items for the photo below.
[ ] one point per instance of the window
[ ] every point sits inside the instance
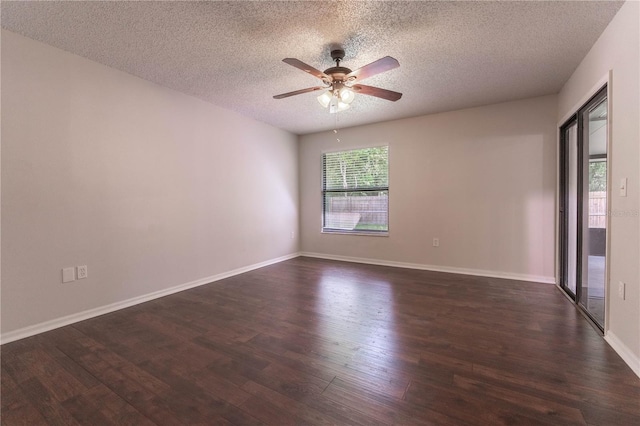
(355, 191)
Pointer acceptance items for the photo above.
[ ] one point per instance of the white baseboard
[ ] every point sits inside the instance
(90, 313)
(625, 353)
(449, 269)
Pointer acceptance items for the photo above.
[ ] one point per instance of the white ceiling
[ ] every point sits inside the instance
(452, 55)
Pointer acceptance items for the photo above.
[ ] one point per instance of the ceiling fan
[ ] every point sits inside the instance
(341, 84)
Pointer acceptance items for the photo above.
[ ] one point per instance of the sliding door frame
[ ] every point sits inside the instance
(563, 214)
(577, 118)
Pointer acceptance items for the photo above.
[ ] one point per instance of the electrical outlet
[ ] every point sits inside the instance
(68, 275)
(82, 272)
(436, 242)
(292, 235)
(621, 290)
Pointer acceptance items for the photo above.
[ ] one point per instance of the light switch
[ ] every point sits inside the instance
(68, 275)
(621, 288)
(623, 187)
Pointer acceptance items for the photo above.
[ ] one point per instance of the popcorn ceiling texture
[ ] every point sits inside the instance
(452, 55)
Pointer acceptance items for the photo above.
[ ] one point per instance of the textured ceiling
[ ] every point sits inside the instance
(452, 55)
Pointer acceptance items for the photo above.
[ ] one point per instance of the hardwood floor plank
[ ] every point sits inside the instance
(85, 412)
(557, 387)
(16, 408)
(597, 415)
(116, 410)
(387, 383)
(311, 341)
(292, 383)
(606, 389)
(134, 393)
(269, 413)
(234, 352)
(543, 409)
(343, 414)
(361, 402)
(389, 410)
(465, 407)
(49, 407)
(177, 373)
(287, 405)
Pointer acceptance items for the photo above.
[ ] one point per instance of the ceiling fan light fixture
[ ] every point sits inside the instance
(325, 98)
(338, 106)
(337, 100)
(346, 95)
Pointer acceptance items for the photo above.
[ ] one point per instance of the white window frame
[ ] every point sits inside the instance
(323, 191)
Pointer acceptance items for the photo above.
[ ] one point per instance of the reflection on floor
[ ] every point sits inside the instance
(595, 291)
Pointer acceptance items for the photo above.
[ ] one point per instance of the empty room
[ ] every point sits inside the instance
(320, 212)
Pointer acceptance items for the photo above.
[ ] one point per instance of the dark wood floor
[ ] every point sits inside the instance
(311, 341)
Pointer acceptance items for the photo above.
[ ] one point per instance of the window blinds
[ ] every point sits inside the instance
(355, 190)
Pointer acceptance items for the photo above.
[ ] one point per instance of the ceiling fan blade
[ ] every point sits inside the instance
(305, 67)
(298, 92)
(381, 65)
(389, 95)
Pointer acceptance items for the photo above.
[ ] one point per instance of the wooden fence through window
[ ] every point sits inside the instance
(598, 209)
(374, 210)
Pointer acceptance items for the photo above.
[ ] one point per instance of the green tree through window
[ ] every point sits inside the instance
(597, 176)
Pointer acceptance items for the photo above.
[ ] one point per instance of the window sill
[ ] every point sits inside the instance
(361, 233)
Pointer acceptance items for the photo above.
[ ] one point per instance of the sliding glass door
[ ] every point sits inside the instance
(583, 206)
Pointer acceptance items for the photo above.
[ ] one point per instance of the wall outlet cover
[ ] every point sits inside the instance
(82, 272)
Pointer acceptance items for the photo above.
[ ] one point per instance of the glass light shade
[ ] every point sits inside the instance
(346, 95)
(338, 107)
(325, 98)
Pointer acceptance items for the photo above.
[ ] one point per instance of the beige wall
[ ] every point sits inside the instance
(618, 50)
(148, 187)
(482, 180)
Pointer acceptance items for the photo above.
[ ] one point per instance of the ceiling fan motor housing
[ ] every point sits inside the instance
(337, 54)
(337, 73)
